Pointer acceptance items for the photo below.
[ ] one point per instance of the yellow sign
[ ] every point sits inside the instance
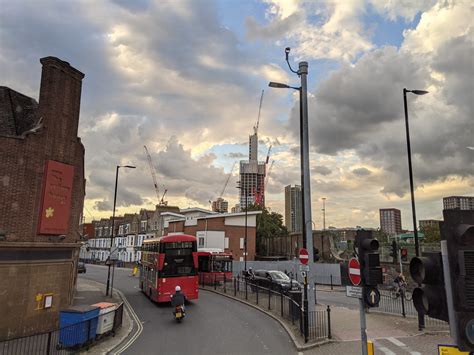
(450, 350)
(370, 347)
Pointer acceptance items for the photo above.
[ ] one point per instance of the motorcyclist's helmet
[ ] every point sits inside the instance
(177, 288)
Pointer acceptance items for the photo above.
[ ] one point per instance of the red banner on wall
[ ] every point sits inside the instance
(56, 199)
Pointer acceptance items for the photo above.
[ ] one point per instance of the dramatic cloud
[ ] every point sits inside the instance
(361, 172)
(322, 170)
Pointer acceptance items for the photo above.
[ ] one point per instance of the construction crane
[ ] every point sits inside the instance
(153, 175)
(162, 201)
(227, 181)
(269, 172)
(255, 128)
(268, 154)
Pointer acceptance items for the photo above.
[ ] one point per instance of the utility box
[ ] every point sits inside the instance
(106, 317)
(78, 325)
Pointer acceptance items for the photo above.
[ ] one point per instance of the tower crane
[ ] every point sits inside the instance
(161, 202)
(269, 172)
(227, 181)
(255, 128)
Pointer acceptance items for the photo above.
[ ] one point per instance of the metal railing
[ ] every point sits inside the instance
(284, 305)
(65, 340)
(397, 304)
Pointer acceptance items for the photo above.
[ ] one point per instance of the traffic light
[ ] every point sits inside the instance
(315, 254)
(404, 254)
(430, 298)
(458, 232)
(394, 252)
(369, 258)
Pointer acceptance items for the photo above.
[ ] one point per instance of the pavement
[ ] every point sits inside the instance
(90, 292)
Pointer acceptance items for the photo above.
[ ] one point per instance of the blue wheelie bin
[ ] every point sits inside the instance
(78, 325)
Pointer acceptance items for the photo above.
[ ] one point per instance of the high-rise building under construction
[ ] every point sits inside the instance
(252, 176)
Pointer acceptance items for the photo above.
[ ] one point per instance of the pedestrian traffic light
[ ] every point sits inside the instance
(430, 298)
(394, 251)
(315, 254)
(404, 254)
(458, 232)
(369, 259)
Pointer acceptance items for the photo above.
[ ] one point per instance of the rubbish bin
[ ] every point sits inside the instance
(78, 325)
(296, 296)
(106, 317)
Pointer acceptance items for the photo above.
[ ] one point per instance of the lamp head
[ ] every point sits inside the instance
(129, 166)
(273, 84)
(419, 92)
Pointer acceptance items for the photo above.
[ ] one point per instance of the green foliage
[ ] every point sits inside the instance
(269, 225)
(432, 234)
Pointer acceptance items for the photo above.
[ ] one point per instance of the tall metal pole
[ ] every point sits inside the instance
(245, 239)
(112, 235)
(363, 334)
(324, 227)
(303, 72)
(410, 171)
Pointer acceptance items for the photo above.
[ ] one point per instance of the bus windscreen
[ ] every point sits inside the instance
(178, 259)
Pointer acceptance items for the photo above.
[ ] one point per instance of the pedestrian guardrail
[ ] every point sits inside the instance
(284, 305)
(398, 303)
(65, 340)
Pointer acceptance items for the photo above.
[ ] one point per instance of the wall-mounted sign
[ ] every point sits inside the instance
(56, 199)
(48, 301)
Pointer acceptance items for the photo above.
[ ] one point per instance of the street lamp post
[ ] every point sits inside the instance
(245, 238)
(410, 170)
(112, 235)
(421, 317)
(324, 227)
(310, 294)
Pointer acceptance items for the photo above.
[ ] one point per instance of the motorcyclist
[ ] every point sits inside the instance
(178, 298)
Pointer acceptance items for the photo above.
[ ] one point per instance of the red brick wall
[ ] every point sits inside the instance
(234, 233)
(22, 161)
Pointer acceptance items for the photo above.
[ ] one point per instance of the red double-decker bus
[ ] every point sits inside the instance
(214, 266)
(168, 262)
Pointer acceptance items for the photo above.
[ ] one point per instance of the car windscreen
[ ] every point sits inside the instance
(178, 259)
(279, 276)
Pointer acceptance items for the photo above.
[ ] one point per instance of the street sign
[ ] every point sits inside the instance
(354, 291)
(450, 350)
(354, 271)
(304, 256)
(114, 253)
(371, 296)
(304, 267)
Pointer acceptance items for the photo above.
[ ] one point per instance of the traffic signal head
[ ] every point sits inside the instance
(429, 299)
(404, 254)
(458, 232)
(369, 258)
(315, 254)
(393, 250)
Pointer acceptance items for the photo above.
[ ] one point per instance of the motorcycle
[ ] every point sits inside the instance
(179, 313)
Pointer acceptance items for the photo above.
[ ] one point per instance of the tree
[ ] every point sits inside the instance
(432, 234)
(269, 225)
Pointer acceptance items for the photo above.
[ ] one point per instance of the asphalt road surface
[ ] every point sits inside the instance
(213, 325)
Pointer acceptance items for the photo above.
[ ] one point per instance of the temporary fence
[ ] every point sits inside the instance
(285, 305)
(65, 340)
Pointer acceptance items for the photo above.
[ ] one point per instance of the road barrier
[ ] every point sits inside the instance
(284, 305)
(65, 340)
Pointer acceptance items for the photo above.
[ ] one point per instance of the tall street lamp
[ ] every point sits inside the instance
(246, 213)
(410, 170)
(302, 72)
(112, 235)
(324, 226)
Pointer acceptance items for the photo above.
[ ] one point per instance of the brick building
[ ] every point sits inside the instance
(42, 194)
(390, 221)
(220, 231)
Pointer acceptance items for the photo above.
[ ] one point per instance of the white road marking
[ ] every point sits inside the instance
(383, 349)
(402, 345)
(354, 271)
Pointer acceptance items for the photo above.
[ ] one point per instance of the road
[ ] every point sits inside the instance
(214, 324)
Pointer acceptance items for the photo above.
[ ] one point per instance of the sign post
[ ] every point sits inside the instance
(304, 267)
(355, 277)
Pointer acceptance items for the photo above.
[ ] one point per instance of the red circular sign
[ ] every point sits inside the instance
(304, 256)
(354, 271)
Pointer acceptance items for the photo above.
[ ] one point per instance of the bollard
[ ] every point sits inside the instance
(225, 287)
(329, 322)
(246, 292)
(281, 302)
(215, 282)
(331, 282)
(256, 292)
(235, 287)
(269, 296)
(402, 293)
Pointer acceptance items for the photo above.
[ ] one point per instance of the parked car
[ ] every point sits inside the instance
(275, 280)
(81, 267)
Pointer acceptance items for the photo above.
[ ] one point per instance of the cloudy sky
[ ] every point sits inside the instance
(185, 78)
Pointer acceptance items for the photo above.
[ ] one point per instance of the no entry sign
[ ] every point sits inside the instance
(354, 271)
(304, 257)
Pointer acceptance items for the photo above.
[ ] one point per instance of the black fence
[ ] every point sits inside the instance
(400, 303)
(66, 340)
(284, 305)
